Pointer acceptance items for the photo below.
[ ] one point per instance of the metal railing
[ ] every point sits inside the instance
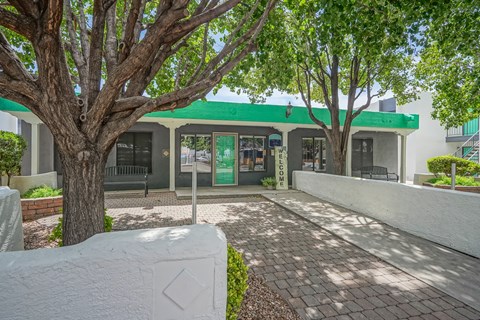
(455, 132)
(470, 148)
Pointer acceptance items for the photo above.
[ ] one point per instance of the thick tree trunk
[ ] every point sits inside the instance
(338, 161)
(83, 198)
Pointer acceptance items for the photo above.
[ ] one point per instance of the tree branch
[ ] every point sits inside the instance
(20, 24)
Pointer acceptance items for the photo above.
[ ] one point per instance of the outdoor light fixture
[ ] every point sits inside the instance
(289, 110)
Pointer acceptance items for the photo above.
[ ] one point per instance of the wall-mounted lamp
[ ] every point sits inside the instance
(289, 110)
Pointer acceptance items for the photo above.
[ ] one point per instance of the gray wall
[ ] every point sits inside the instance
(26, 132)
(385, 149)
(295, 152)
(184, 179)
(160, 163)
(46, 150)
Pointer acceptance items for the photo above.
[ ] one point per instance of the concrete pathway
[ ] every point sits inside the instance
(319, 274)
(452, 272)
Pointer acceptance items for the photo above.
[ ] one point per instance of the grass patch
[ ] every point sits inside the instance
(42, 192)
(459, 181)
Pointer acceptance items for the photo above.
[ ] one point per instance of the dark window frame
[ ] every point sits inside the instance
(324, 142)
(265, 153)
(195, 153)
(150, 148)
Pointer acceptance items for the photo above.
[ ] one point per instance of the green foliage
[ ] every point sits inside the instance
(459, 180)
(12, 147)
(443, 164)
(269, 181)
(236, 282)
(42, 192)
(57, 234)
(450, 63)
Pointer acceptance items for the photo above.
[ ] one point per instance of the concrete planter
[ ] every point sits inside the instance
(457, 188)
(33, 209)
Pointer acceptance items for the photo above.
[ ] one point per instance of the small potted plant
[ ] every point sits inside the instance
(269, 182)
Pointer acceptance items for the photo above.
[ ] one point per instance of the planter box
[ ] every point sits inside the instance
(457, 188)
(33, 209)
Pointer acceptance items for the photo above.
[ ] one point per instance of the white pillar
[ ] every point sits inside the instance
(403, 158)
(34, 147)
(348, 162)
(172, 158)
(285, 138)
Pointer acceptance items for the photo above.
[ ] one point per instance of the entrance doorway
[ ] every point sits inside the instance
(225, 147)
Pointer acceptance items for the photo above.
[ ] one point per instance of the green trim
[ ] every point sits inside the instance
(229, 111)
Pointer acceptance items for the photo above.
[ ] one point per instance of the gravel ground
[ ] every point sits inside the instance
(260, 301)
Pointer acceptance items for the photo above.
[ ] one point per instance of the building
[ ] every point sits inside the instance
(231, 142)
(431, 139)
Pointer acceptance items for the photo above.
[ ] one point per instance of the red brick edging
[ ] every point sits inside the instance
(457, 188)
(33, 209)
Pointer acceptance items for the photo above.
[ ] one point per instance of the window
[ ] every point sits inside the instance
(196, 147)
(362, 153)
(135, 149)
(252, 153)
(314, 154)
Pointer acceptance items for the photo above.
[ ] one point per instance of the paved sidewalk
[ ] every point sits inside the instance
(319, 274)
(452, 272)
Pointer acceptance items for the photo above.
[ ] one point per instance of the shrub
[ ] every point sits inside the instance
(269, 181)
(12, 147)
(42, 192)
(57, 236)
(237, 282)
(443, 164)
(459, 180)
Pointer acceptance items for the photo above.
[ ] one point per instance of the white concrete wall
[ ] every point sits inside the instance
(8, 122)
(166, 273)
(426, 142)
(23, 183)
(450, 218)
(11, 229)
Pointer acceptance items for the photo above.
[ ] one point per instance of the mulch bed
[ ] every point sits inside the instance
(260, 301)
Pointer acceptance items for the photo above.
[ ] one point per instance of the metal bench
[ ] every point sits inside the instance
(119, 175)
(378, 173)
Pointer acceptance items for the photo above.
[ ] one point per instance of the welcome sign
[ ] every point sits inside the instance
(281, 169)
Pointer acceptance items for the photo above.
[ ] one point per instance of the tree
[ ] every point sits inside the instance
(323, 49)
(12, 147)
(450, 61)
(125, 58)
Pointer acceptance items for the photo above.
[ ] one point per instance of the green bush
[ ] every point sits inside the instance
(459, 181)
(237, 282)
(12, 147)
(443, 164)
(269, 181)
(41, 192)
(57, 236)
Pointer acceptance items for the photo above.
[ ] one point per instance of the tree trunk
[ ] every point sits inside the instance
(83, 196)
(339, 152)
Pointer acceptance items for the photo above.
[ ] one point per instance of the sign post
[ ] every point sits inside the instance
(281, 168)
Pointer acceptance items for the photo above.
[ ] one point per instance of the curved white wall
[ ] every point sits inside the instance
(23, 183)
(11, 229)
(450, 218)
(166, 273)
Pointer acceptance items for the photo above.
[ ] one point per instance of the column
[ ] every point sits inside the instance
(348, 162)
(172, 157)
(403, 158)
(34, 146)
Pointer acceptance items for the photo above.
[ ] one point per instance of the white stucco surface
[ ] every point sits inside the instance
(450, 218)
(23, 183)
(11, 229)
(166, 273)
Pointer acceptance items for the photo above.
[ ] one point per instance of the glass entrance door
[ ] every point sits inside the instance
(225, 165)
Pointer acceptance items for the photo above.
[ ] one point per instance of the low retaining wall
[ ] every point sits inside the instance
(443, 216)
(166, 273)
(23, 183)
(11, 229)
(457, 188)
(33, 209)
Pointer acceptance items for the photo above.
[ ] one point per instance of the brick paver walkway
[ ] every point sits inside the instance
(319, 274)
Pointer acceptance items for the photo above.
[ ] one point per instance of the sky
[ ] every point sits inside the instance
(279, 98)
